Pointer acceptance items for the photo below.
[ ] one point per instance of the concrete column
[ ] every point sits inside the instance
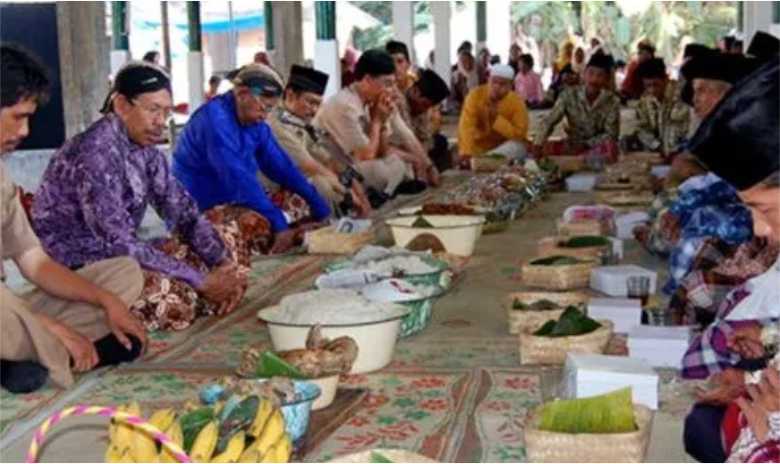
(442, 13)
(84, 54)
(499, 34)
(403, 26)
(287, 38)
(326, 48)
(481, 25)
(195, 56)
(120, 36)
(757, 16)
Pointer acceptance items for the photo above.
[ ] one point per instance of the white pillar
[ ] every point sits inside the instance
(757, 16)
(326, 59)
(403, 26)
(442, 12)
(195, 73)
(118, 59)
(499, 31)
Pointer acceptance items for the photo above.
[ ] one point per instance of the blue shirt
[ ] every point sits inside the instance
(217, 159)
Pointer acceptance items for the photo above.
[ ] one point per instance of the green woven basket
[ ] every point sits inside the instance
(441, 277)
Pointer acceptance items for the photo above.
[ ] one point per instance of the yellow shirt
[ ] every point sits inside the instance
(477, 134)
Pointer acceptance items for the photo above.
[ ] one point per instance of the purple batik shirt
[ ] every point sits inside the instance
(94, 195)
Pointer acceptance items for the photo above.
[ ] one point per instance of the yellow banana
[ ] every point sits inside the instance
(142, 445)
(284, 448)
(205, 443)
(264, 411)
(251, 455)
(234, 449)
(271, 433)
(175, 434)
(114, 453)
(163, 418)
(123, 433)
(126, 457)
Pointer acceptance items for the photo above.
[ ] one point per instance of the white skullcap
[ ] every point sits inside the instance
(502, 70)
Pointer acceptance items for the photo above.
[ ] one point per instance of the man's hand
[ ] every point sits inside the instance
(121, 322)
(360, 200)
(284, 241)
(383, 108)
(641, 233)
(764, 398)
(80, 349)
(223, 287)
(730, 384)
(433, 176)
(746, 341)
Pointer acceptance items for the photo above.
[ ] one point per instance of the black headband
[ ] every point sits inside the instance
(135, 79)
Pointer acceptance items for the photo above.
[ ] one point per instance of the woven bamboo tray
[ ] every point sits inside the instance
(520, 320)
(626, 198)
(487, 163)
(551, 246)
(544, 446)
(552, 350)
(585, 227)
(561, 277)
(328, 241)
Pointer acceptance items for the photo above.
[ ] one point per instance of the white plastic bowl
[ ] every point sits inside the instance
(458, 234)
(328, 387)
(375, 340)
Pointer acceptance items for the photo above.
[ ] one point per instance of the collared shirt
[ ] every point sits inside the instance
(477, 134)
(663, 125)
(217, 159)
(529, 87)
(16, 235)
(94, 195)
(291, 133)
(589, 124)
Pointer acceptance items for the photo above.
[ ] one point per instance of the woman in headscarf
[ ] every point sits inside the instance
(565, 52)
(465, 78)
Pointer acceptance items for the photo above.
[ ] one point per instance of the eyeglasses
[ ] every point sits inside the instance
(386, 81)
(155, 111)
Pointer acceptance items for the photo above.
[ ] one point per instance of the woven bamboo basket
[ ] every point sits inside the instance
(521, 320)
(568, 164)
(649, 157)
(328, 241)
(544, 446)
(585, 227)
(548, 246)
(394, 455)
(487, 163)
(552, 350)
(561, 277)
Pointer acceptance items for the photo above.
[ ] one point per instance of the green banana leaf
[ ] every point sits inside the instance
(571, 323)
(270, 365)
(378, 458)
(556, 261)
(584, 241)
(609, 413)
(539, 305)
(421, 222)
(192, 423)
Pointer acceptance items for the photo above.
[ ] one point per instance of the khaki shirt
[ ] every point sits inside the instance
(16, 234)
(296, 140)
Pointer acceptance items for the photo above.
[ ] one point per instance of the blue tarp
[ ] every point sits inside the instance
(256, 21)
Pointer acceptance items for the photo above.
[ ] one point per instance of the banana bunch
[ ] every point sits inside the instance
(249, 430)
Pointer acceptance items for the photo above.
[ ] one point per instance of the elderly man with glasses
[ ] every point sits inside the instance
(95, 193)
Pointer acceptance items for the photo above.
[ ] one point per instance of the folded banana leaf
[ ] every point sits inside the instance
(421, 222)
(572, 322)
(270, 365)
(378, 458)
(556, 261)
(539, 305)
(609, 413)
(584, 241)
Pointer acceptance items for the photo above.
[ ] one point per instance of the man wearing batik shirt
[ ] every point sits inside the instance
(95, 193)
(591, 110)
(663, 118)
